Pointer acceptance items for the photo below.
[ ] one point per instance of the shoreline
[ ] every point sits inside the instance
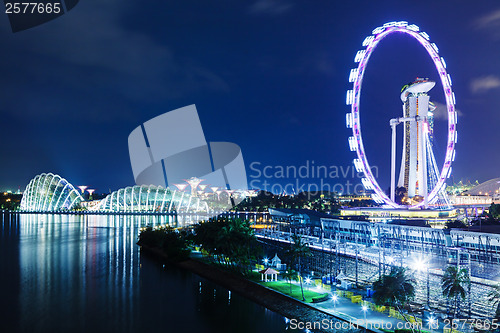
(275, 301)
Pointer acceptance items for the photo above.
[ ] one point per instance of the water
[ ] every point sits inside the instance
(61, 273)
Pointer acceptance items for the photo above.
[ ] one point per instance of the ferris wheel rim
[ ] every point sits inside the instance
(353, 98)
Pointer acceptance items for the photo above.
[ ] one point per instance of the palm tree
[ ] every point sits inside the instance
(453, 284)
(237, 242)
(494, 299)
(394, 289)
(297, 250)
(290, 275)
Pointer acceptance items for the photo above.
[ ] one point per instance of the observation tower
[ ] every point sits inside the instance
(419, 170)
(413, 174)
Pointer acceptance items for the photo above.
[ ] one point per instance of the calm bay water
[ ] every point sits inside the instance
(66, 273)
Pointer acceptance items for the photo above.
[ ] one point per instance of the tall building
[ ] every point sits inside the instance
(416, 109)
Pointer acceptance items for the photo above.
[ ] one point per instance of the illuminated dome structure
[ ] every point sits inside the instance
(490, 187)
(152, 198)
(49, 193)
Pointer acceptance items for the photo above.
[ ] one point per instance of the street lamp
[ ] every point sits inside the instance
(334, 299)
(365, 309)
(420, 265)
(432, 323)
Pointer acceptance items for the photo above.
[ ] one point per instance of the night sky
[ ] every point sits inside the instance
(268, 75)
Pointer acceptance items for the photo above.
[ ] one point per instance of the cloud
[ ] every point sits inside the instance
(484, 83)
(490, 23)
(488, 20)
(441, 112)
(270, 7)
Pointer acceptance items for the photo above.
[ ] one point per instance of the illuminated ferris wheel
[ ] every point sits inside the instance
(436, 178)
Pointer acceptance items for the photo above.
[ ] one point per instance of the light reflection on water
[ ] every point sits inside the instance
(63, 273)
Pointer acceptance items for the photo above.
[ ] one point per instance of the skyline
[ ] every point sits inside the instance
(75, 87)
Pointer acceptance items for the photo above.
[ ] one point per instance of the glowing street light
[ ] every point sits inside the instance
(335, 299)
(420, 264)
(266, 261)
(308, 282)
(365, 309)
(432, 323)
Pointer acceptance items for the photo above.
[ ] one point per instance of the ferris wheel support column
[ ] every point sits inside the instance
(393, 123)
(424, 164)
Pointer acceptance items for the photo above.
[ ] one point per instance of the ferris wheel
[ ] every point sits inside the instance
(353, 117)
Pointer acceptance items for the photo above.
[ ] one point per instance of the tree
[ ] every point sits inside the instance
(455, 224)
(238, 242)
(400, 194)
(453, 284)
(298, 250)
(394, 289)
(229, 241)
(290, 275)
(494, 299)
(207, 235)
(494, 211)
(172, 243)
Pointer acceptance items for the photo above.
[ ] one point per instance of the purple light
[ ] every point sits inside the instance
(371, 43)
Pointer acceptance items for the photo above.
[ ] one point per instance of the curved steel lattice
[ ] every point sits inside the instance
(353, 99)
(151, 198)
(48, 192)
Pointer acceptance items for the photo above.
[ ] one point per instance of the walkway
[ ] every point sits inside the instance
(351, 312)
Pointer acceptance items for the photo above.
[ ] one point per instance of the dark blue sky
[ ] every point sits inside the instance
(269, 75)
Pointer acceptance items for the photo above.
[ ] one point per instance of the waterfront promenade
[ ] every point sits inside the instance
(373, 260)
(364, 314)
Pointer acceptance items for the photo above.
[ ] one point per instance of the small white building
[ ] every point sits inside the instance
(344, 283)
(276, 262)
(269, 272)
